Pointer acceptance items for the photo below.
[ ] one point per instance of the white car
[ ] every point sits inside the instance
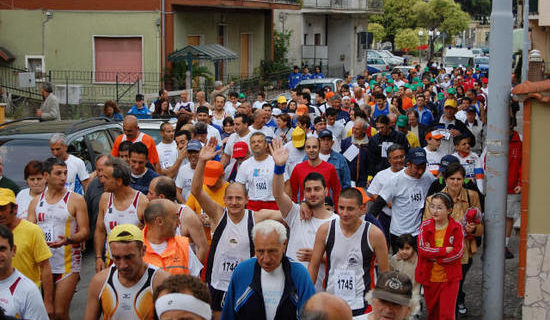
(152, 127)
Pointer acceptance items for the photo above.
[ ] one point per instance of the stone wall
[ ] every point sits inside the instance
(537, 289)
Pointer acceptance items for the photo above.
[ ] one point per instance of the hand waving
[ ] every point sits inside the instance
(278, 152)
(208, 151)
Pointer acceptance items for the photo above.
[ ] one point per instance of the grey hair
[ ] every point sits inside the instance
(121, 169)
(47, 87)
(335, 97)
(364, 124)
(218, 83)
(268, 226)
(57, 137)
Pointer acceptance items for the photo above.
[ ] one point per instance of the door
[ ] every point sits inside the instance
(221, 42)
(245, 55)
(194, 41)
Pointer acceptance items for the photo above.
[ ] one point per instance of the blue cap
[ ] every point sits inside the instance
(446, 161)
(417, 156)
(268, 139)
(471, 109)
(325, 133)
(194, 145)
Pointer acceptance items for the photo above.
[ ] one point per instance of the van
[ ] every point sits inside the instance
(456, 57)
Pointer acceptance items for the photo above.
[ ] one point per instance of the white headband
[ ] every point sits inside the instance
(184, 302)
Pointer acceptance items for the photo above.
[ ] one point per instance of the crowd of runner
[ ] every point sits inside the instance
(363, 202)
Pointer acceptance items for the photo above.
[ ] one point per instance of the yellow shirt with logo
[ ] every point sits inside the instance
(31, 250)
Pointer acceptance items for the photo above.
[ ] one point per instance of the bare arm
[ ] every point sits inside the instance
(172, 171)
(81, 215)
(160, 276)
(143, 202)
(225, 159)
(31, 213)
(280, 156)
(318, 251)
(100, 233)
(196, 232)
(179, 197)
(85, 183)
(47, 286)
(378, 243)
(210, 207)
(93, 309)
(267, 214)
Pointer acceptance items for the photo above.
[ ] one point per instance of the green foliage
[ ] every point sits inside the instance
(478, 9)
(378, 31)
(177, 74)
(444, 15)
(406, 39)
(279, 64)
(397, 16)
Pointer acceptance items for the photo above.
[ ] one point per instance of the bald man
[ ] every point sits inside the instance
(326, 306)
(131, 133)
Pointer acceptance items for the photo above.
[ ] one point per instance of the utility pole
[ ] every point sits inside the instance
(498, 118)
(526, 44)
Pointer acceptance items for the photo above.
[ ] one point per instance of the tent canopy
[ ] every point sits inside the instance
(212, 52)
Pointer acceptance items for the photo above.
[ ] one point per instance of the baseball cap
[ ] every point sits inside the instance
(7, 196)
(451, 91)
(241, 95)
(390, 81)
(402, 121)
(301, 110)
(471, 109)
(446, 161)
(389, 89)
(484, 80)
(125, 232)
(393, 286)
(329, 95)
(407, 85)
(325, 133)
(276, 112)
(281, 99)
(212, 172)
(416, 79)
(346, 98)
(194, 145)
(240, 149)
(441, 96)
(450, 103)
(434, 134)
(417, 156)
(318, 119)
(298, 137)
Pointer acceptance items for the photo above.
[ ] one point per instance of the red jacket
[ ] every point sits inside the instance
(427, 253)
(514, 162)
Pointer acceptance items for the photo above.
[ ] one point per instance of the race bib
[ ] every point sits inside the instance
(417, 201)
(385, 146)
(345, 284)
(469, 168)
(227, 266)
(48, 232)
(260, 187)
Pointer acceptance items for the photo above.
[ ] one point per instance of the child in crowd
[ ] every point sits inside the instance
(405, 261)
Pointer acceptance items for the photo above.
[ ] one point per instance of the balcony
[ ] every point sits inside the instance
(250, 4)
(373, 6)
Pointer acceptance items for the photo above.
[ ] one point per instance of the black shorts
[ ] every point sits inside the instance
(216, 297)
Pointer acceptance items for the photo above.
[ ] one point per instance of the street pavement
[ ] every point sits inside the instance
(473, 286)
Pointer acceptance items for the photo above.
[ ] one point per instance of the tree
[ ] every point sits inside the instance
(397, 15)
(444, 15)
(478, 9)
(378, 32)
(406, 39)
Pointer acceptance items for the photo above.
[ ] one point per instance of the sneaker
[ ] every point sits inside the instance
(509, 254)
(462, 310)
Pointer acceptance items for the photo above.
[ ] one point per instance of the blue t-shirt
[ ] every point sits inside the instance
(142, 113)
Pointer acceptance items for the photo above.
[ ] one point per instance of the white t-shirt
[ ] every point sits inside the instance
(152, 106)
(184, 179)
(273, 284)
(295, 156)
(23, 200)
(213, 132)
(76, 173)
(434, 160)
(302, 235)
(194, 265)
(234, 138)
(257, 176)
(230, 109)
(20, 298)
(378, 182)
(181, 105)
(168, 154)
(258, 104)
(265, 129)
(408, 196)
(338, 135)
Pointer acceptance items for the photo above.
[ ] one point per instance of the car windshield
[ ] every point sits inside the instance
(154, 133)
(482, 60)
(385, 53)
(316, 87)
(457, 60)
(20, 152)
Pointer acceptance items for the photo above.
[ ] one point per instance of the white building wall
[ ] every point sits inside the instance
(294, 21)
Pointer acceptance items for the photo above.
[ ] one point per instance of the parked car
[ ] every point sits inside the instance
(404, 69)
(376, 65)
(316, 85)
(388, 54)
(482, 63)
(27, 139)
(385, 55)
(152, 127)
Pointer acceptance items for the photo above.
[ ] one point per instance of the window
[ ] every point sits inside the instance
(317, 39)
(100, 143)
(305, 39)
(36, 64)
(118, 59)
(79, 149)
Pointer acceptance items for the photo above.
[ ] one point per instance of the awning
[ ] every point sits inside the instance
(6, 55)
(212, 52)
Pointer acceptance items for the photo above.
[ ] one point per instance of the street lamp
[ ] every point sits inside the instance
(420, 34)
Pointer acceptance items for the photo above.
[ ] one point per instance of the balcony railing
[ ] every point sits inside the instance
(366, 5)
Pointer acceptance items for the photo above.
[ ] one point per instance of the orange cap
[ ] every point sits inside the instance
(366, 198)
(329, 95)
(212, 172)
(301, 110)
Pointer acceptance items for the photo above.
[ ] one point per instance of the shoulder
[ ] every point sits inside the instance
(426, 224)
(245, 268)
(99, 279)
(29, 228)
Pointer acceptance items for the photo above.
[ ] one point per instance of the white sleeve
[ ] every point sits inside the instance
(195, 266)
(387, 191)
(34, 306)
(375, 185)
(152, 107)
(241, 174)
(292, 215)
(229, 145)
(82, 173)
(179, 178)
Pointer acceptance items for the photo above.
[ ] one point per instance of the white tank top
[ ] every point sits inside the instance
(128, 303)
(138, 139)
(55, 221)
(114, 217)
(232, 248)
(350, 259)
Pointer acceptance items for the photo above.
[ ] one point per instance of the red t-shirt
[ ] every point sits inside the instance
(326, 169)
(142, 137)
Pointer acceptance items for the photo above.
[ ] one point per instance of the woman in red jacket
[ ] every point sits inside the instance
(440, 249)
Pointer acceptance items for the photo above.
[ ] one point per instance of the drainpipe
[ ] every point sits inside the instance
(525, 160)
(497, 158)
(49, 15)
(525, 54)
(163, 34)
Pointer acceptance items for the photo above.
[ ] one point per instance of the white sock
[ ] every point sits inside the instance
(507, 241)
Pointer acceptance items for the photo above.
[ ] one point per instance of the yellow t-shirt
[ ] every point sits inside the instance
(31, 250)
(216, 195)
(438, 271)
